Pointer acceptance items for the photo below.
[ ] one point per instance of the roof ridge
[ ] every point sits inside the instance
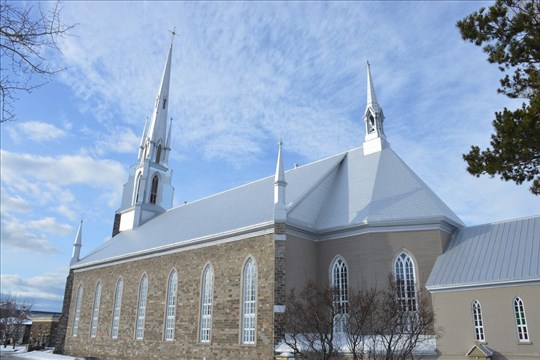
(302, 197)
(498, 222)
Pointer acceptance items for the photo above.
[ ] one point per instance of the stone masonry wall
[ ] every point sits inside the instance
(227, 259)
(63, 322)
(279, 283)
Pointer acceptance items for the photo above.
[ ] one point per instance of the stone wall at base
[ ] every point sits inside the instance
(63, 322)
(227, 260)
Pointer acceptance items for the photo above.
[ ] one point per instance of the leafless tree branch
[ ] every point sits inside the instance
(28, 37)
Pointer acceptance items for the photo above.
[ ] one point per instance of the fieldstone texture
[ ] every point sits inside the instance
(227, 259)
(63, 322)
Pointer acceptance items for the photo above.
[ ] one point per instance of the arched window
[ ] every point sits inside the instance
(170, 309)
(341, 296)
(521, 322)
(249, 301)
(95, 310)
(158, 153)
(206, 303)
(117, 308)
(141, 309)
(138, 188)
(478, 323)
(405, 282)
(77, 312)
(153, 192)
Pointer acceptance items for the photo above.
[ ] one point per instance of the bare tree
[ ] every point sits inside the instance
(400, 326)
(380, 323)
(27, 36)
(363, 306)
(14, 312)
(309, 322)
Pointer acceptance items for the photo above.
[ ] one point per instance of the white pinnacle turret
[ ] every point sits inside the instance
(371, 97)
(280, 209)
(77, 244)
(375, 139)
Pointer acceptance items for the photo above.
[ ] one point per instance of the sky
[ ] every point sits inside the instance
(244, 75)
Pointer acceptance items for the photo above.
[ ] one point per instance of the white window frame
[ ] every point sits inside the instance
(141, 307)
(405, 276)
(521, 321)
(249, 302)
(95, 310)
(117, 308)
(154, 189)
(77, 312)
(207, 291)
(340, 283)
(478, 321)
(170, 306)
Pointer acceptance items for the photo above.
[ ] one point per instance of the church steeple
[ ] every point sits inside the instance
(77, 244)
(375, 138)
(148, 191)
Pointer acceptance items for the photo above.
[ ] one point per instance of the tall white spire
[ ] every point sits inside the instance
(77, 244)
(280, 209)
(149, 191)
(157, 132)
(375, 139)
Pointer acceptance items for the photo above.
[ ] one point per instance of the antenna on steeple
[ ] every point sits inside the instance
(173, 32)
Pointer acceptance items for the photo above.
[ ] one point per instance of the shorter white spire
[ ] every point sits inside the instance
(77, 244)
(280, 209)
(143, 139)
(371, 97)
(375, 139)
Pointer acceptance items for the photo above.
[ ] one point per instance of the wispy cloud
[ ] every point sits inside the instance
(62, 170)
(14, 204)
(42, 290)
(21, 237)
(37, 131)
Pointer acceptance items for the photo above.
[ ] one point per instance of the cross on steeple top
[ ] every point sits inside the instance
(173, 32)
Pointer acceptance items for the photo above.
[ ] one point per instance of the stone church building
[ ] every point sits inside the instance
(208, 279)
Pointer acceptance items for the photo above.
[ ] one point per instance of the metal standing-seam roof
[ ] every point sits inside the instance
(489, 255)
(344, 191)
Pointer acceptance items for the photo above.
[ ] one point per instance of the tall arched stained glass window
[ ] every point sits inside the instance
(341, 294)
(77, 312)
(141, 308)
(249, 302)
(405, 282)
(117, 308)
(206, 303)
(95, 310)
(521, 322)
(478, 322)
(170, 309)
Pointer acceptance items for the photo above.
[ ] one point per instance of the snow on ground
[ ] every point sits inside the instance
(21, 353)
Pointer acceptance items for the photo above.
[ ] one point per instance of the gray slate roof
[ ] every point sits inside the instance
(489, 255)
(344, 191)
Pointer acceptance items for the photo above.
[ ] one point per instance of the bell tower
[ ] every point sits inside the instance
(149, 191)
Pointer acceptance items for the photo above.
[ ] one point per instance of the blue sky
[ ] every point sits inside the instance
(243, 75)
